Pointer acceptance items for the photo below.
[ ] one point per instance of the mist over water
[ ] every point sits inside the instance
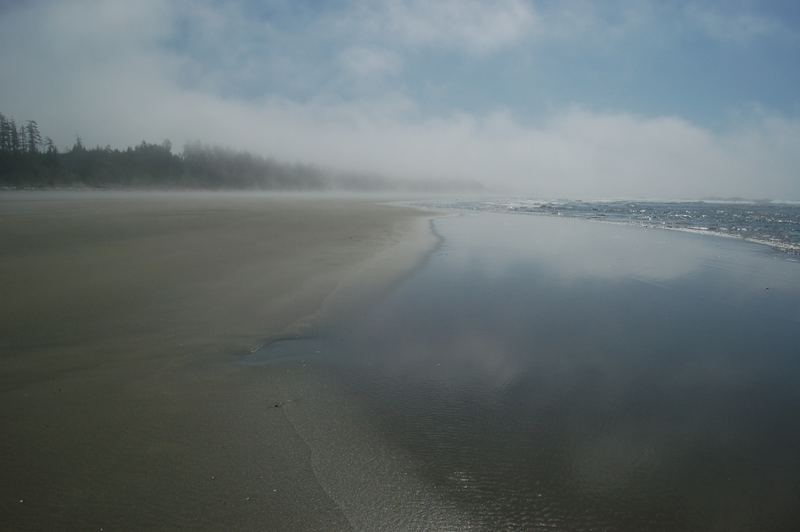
(543, 372)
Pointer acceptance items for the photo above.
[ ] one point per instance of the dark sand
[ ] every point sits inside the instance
(121, 319)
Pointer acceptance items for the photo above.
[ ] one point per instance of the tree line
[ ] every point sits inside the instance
(30, 160)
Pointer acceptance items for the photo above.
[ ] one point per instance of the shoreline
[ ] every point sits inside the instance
(518, 207)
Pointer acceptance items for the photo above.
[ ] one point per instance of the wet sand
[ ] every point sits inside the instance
(121, 319)
(545, 373)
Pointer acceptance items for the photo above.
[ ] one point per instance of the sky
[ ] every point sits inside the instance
(545, 98)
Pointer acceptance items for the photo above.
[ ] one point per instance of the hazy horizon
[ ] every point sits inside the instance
(569, 99)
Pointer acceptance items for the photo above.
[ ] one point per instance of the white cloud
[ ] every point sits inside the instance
(474, 26)
(731, 25)
(369, 64)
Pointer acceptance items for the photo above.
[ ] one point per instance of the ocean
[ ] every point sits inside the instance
(550, 372)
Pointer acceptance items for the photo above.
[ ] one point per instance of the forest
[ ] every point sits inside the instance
(30, 160)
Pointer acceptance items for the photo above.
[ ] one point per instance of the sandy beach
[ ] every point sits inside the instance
(121, 320)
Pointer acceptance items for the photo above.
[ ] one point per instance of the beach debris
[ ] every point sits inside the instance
(277, 404)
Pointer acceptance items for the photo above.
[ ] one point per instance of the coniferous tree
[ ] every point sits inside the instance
(32, 136)
(13, 135)
(22, 139)
(5, 135)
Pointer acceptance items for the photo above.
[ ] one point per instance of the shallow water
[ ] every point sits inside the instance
(545, 373)
(773, 224)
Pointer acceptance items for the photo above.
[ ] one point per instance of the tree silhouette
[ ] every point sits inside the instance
(13, 135)
(5, 134)
(22, 139)
(27, 160)
(33, 137)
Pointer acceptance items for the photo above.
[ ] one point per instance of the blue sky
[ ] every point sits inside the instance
(576, 98)
(705, 61)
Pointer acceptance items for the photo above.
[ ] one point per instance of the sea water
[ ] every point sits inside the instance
(561, 374)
